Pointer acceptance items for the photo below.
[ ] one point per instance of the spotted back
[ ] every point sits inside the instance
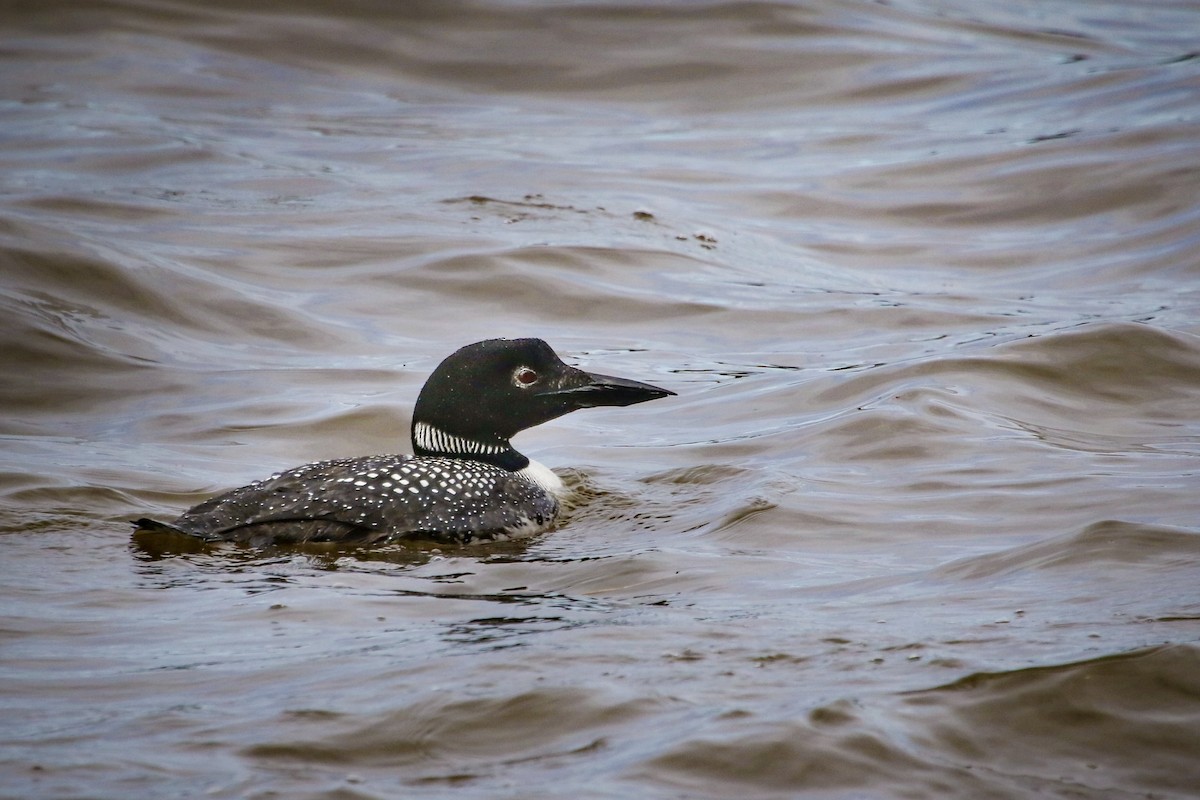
(376, 497)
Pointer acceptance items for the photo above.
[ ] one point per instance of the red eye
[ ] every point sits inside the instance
(525, 376)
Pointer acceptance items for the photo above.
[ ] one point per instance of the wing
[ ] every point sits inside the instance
(372, 498)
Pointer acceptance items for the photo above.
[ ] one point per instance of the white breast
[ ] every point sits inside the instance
(544, 477)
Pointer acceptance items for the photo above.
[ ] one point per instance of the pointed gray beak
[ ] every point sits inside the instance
(605, 390)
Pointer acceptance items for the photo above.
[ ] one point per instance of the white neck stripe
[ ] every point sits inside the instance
(427, 437)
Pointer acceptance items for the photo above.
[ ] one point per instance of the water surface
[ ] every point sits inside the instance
(921, 522)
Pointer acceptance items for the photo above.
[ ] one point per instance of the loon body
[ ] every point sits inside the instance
(465, 482)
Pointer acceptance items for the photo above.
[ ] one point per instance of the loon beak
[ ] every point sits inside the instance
(605, 390)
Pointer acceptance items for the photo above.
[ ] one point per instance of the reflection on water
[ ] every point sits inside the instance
(920, 522)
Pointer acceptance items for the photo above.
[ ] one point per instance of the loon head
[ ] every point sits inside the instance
(483, 394)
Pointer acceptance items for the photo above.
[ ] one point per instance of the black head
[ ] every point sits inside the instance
(483, 394)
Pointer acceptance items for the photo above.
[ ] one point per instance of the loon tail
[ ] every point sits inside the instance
(147, 524)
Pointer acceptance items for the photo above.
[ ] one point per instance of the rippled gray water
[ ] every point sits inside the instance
(922, 521)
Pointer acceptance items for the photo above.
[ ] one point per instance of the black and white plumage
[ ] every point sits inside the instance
(465, 481)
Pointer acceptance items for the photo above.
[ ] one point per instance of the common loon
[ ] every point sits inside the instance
(465, 482)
